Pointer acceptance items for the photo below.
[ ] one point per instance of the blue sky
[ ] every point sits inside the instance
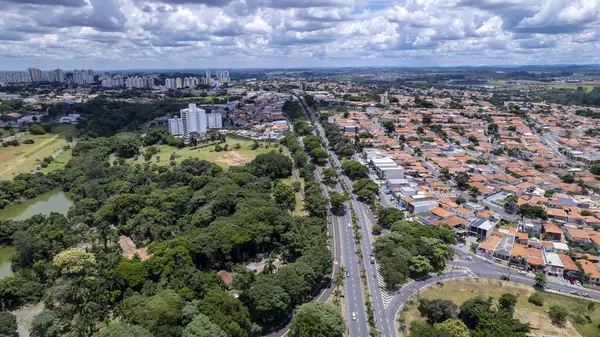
(125, 34)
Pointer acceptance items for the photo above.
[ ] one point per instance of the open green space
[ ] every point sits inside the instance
(461, 290)
(15, 160)
(224, 158)
(299, 201)
(59, 162)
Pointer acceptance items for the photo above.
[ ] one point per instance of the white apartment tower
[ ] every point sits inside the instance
(35, 75)
(385, 99)
(196, 120)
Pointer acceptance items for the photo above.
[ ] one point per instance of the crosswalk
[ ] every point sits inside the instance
(385, 296)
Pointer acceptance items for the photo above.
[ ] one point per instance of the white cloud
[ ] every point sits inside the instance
(248, 33)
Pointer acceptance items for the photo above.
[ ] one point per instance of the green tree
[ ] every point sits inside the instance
(267, 302)
(123, 330)
(44, 325)
(540, 280)
(284, 195)
(507, 302)
(387, 216)
(461, 200)
(74, 261)
(317, 319)
(8, 324)
(454, 327)
(319, 155)
(227, 312)
(201, 326)
(473, 310)
(355, 170)
(337, 201)
(419, 266)
(161, 312)
(272, 165)
(558, 315)
(134, 272)
(329, 176)
(437, 310)
(37, 130)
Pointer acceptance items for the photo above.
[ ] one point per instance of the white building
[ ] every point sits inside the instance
(223, 76)
(196, 120)
(83, 77)
(114, 81)
(176, 126)
(178, 83)
(70, 119)
(139, 82)
(385, 99)
(190, 82)
(35, 75)
(170, 83)
(215, 120)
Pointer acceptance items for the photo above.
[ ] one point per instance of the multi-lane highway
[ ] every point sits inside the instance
(365, 220)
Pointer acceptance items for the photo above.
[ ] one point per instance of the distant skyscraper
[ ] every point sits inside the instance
(215, 120)
(59, 75)
(384, 99)
(35, 75)
(208, 75)
(178, 83)
(83, 77)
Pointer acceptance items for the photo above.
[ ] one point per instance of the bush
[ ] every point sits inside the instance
(28, 141)
(537, 299)
(37, 130)
(558, 315)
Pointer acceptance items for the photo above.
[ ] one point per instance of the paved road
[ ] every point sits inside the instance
(365, 220)
(463, 267)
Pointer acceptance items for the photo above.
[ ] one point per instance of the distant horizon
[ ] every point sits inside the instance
(489, 67)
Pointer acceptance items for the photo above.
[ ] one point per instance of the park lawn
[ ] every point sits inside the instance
(225, 159)
(15, 160)
(574, 86)
(59, 162)
(299, 201)
(463, 289)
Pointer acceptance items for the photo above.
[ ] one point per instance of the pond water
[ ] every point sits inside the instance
(55, 201)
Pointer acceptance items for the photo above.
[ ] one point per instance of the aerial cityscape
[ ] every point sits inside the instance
(315, 168)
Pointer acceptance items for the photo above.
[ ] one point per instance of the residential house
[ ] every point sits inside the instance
(553, 232)
(571, 270)
(554, 265)
(591, 271)
(578, 237)
(481, 228)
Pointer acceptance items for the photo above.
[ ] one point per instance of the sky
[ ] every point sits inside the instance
(176, 34)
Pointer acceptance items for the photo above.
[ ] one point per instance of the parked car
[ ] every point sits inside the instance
(572, 281)
(573, 292)
(347, 274)
(577, 283)
(522, 272)
(349, 225)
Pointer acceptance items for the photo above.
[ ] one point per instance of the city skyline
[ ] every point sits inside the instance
(202, 34)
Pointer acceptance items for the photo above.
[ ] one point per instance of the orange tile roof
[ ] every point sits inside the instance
(556, 212)
(578, 233)
(534, 256)
(490, 243)
(440, 212)
(523, 236)
(568, 262)
(519, 250)
(453, 221)
(552, 228)
(589, 268)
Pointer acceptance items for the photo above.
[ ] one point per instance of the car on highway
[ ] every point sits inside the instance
(354, 316)
(347, 274)
(470, 258)
(349, 225)
(372, 259)
(522, 272)
(573, 292)
(586, 295)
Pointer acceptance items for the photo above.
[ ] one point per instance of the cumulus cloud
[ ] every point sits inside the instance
(258, 33)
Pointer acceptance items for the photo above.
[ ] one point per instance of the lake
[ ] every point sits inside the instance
(55, 201)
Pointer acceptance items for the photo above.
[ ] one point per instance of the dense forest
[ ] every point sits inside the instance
(195, 219)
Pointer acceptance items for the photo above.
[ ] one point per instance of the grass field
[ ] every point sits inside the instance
(299, 201)
(232, 157)
(15, 160)
(59, 162)
(461, 290)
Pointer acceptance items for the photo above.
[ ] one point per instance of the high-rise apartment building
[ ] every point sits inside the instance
(112, 81)
(178, 83)
(196, 120)
(82, 77)
(208, 75)
(35, 75)
(139, 82)
(223, 76)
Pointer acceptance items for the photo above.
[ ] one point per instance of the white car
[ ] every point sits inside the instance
(349, 225)
(354, 316)
(577, 283)
(522, 272)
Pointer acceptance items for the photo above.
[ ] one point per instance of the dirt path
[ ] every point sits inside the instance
(25, 316)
